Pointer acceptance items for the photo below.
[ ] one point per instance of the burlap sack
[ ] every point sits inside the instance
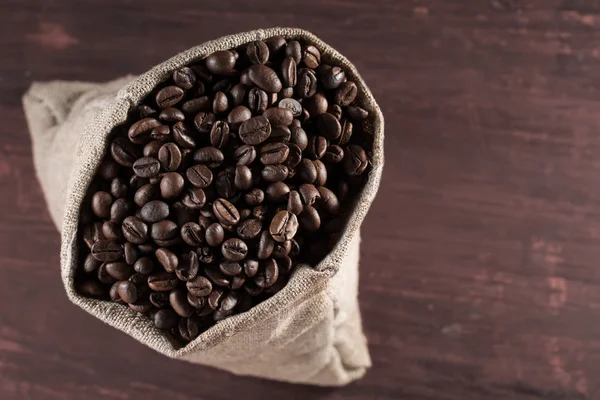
(310, 332)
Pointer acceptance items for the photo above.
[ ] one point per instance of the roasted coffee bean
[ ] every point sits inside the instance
(234, 249)
(184, 78)
(221, 62)
(206, 255)
(255, 131)
(321, 173)
(287, 93)
(293, 105)
(127, 291)
(214, 234)
(183, 136)
(91, 289)
(269, 274)
(258, 52)
(104, 276)
(230, 268)
(294, 49)
(140, 131)
(92, 233)
(299, 137)
(113, 293)
(280, 134)
(130, 253)
(188, 267)
(311, 56)
(294, 203)
(245, 154)
(317, 146)
(237, 116)
(226, 212)
(194, 106)
(111, 230)
(355, 160)
(316, 104)
(279, 116)
(357, 113)
(169, 96)
(229, 302)
(335, 110)
(237, 282)
(225, 183)
(258, 100)
(199, 286)
(119, 270)
(91, 264)
(249, 229)
(288, 72)
(274, 173)
(265, 245)
(145, 194)
(169, 157)
(294, 157)
(250, 267)
(215, 298)
(178, 300)
(151, 148)
(119, 187)
(209, 156)
(276, 45)
(135, 230)
(165, 319)
(220, 103)
(189, 328)
(159, 299)
(123, 152)
(101, 204)
(195, 301)
(254, 197)
(164, 230)
(216, 277)
(163, 281)
(333, 78)
(145, 249)
(283, 226)
(194, 199)
(146, 111)
(277, 192)
(170, 115)
(171, 185)
(310, 219)
(106, 250)
(329, 126)
(141, 306)
(143, 265)
(328, 200)
(154, 211)
(274, 153)
(282, 249)
(264, 78)
(237, 93)
(306, 85)
(146, 167)
(192, 234)
(309, 194)
(345, 93)
(333, 155)
(199, 175)
(307, 171)
(243, 177)
(108, 169)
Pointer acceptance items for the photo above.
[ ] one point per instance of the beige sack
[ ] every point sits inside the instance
(309, 332)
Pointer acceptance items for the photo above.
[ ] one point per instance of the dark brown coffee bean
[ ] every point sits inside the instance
(293, 159)
(225, 183)
(294, 49)
(145, 194)
(192, 234)
(249, 229)
(294, 203)
(189, 328)
(274, 153)
(230, 268)
(146, 167)
(214, 235)
(237, 94)
(333, 78)
(127, 291)
(265, 78)
(90, 264)
(113, 293)
(119, 270)
(237, 116)
(130, 253)
(234, 249)
(119, 187)
(279, 116)
(283, 226)
(167, 259)
(183, 136)
(139, 132)
(101, 204)
(161, 133)
(309, 194)
(112, 230)
(189, 266)
(165, 319)
(199, 175)
(146, 111)
(276, 45)
(321, 173)
(252, 289)
(159, 299)
(216, 277)
(199, 286)
(108, 169)
(194, 199)
(141, 306)
(357, 113)
(274, 173)
(123, 152)
(215, 298)
(194, 106)
(245, 154)
(171, 115)
(162, 281)
(345, 93)
(316, 104)
(169, 156)
(254, 197)
(328, 200)
(135, 230)
(299, 137)
(307, 83)
(184, 78)
(280, 134)
(229, 302)
(210, 156)
(104, 276)
(91, 289)
(282, 249)
(317, 146)
(145, 249)
(293, 105)
(307, 171)
(287, 92)
(171, 185)
(178, 300)
(268, 276)
(251, 267)
(288, 72)
(336, 111)
(255, 131)
(258, 52)
(164, 230)
(154, 211)
(221, 62)
(355, 160)
(329, 126)
(258, 100)
(259, 212)
(169, 96)
(226, 212)
(310, 219)
(143, 265)
(195, 301)
(220, 103)
(311, 56)
(92, 233)
(277, 192)
(333, 155)
(219, 135)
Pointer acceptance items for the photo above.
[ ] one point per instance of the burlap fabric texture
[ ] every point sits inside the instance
(310, 332)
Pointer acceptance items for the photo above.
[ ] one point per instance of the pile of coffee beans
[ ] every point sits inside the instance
(223, 179)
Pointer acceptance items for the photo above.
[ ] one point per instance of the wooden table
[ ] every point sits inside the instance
(479, 275)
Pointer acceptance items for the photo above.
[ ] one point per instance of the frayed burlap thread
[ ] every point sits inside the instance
(310, 332)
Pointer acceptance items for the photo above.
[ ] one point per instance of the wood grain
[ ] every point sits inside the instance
(479, 275)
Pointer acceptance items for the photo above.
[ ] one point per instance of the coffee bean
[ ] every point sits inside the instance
(194, 106)
(170, 115)
(162, 281)
(357, 113)
(194, 199)
(145, 194)
(221, 62)
(321, 173)
(258, 52)
(255, 130)
(252, 289)
(345, 93)
(169, 156)
(237, 116)
(169, 96)
(119, 270)
(294, 203)
(229, 302)
(199, 286)
(199, 175)
(119, 187)
(282, 249)
(164, 230)
(192, 234)
(280, 134)
(269, 274)
(165, 319)
(328, 200)
(265, 78)
(333, 155)
(143, 265)
(178, 300)
(106, 250)
(249, 229)
(306, 85)
(111, 230)
(183, 136)
(220, 103)
(159, 299)
(146, 167)
(310, 219)
(130, 253)
(141, 306)
(243, 177)
(230, 268)
(140, 131)
(135, 230)
(146, 111)
(195, 301)
(171, 185)
(101, 204)
(215, 298)
(299, 137)
(258, 100)
(279, 116)
(127, 291)
(309, 194)
(288, 72)
(91, 289)
(234, 249)
(329, 126)
(283, 226)
(225, 183)
(317, 146)
(316, 104)
(254, 197)
(104, 276)
(219, 134)
(274, 173)
(90, 264)
(276, 44)
(277, 192)
(237, 282)
(184, 78)
(307, 171)
(123, 152)
(214, 235)
(293, 105)
(113, 293)
(237, 93)
(216, 277)
(226, 212)
(92, 233)
(294, 50)
(265, 245)
(293, 159)
(333, 78)
(311, 56)
(151, 148)
(245, 154)
(209, 156)
(355, 160)
(189, 266)
(108, 169)
(274, 153)
(189, 328)
(335, 110)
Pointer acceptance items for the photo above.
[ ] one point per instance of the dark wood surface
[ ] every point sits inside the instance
(479, 273)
